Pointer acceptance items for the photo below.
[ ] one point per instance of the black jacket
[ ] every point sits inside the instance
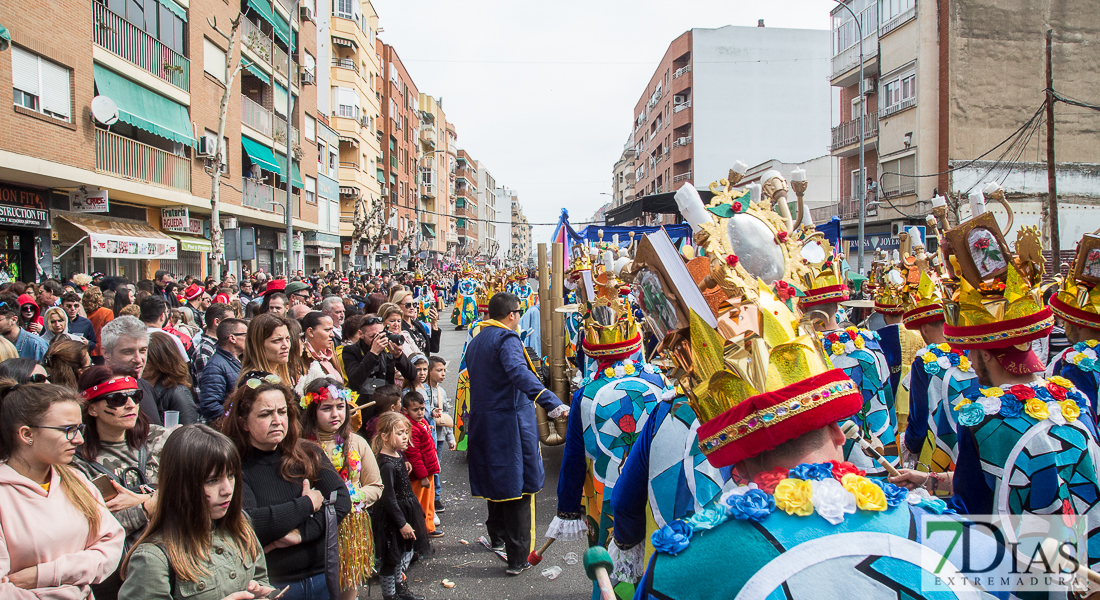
(360, 365)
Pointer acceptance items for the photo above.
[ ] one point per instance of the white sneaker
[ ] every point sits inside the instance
(437, 520)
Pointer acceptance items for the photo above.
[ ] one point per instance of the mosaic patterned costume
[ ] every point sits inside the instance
(939, 378)
(527, 296)
(462, 393)
(465, 311)
(865, 364)
(1079, 365)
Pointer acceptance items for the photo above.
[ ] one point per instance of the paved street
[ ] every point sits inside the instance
(476, 572)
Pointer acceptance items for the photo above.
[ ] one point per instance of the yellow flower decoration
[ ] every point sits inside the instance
(993, 392)
(945, 347)
(928, 357)
(337, 459)
(868, 495)
(964, 364)
(609, 372)
(1070, 410)
(793, 497)
(961, 404)
(1077, 358)
(852, 331)
(837, 348)
(629, 369)
(858, 341)
(1036, 409)
(1061, 381)
(1092, 343)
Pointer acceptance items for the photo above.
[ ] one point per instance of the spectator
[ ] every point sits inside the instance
(120, 443)
(48, 294)
(170, 378)
(204, 538)
(333, 306)
(57, 326)
(398, 520)
(69, 533)
(197, 301)
(268, 346)
(99, 315)
(280, 471)
(29, 314)
(424, 336)
(125, 349)
(207, 342)
(422, 457)
(317, 346)
(124, 296)
(65, 361)
(162, 285)
(299, 311)
(298, 293)
(154, 313)
(26, 344)
(79, 326)
(219, 378)
(7, 349)
(274, 299)
(245, 294)
(349, 332)
(23, 370)
(373, 360)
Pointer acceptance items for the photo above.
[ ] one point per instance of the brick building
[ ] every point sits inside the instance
(400, 129)
(436, 202)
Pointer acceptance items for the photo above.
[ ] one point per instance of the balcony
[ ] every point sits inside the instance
(847, 134)
(681, 177)
(278, 132)
(349, 165)
(255, 116)
(848, 58)
(256, 40)
(291, 7)
(891, 24)
(899, 106)
(130, 159)
(682, 106)
(258, 195)
(681, 71)
(281, 62)
(119, 36)
(345, 63)
(682, 141)
(452, 237)
(427, 190)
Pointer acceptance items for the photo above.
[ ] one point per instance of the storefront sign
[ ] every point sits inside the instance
(105, 245)
(88, 201)
(175, 219)
(298, 242)
(326, 253)
(23, 207)
(196, 227)
(281, 246)
(346, 248)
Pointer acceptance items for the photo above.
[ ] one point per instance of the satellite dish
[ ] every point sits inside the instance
(104, 110)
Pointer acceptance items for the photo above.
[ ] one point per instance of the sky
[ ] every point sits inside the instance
(543, 93)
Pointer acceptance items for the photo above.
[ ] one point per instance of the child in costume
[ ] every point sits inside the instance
(398, 521)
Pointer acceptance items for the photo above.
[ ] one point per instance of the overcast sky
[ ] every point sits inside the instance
(543, 93)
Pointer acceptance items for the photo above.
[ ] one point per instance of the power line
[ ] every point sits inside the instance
(601, 63)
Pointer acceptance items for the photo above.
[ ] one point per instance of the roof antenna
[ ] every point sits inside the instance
(760, 22)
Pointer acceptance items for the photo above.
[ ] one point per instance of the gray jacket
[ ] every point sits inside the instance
(149, 575)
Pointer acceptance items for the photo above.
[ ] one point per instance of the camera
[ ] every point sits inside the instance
(395, 338)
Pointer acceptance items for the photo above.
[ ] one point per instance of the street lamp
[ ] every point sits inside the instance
(862, 133)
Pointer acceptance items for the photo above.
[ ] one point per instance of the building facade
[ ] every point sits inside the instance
(466, 207)
(622, 175)
(522, 251)
(401, 153)
(436, 208)
(127, 191)
(487, 206)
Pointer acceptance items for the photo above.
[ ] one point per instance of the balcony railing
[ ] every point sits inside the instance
(291, 7)
(345, 63)
(133, 160)
(900, 106)
(278, 132)
(681, 177)
(682, 106)
(125, 39)
(281, 62)
(256, 40)
(895, 22)
(682, 141)
(681, 71)
(847, 133)
(849, 57)
(255, 116)
(349, 165)
(258, 195)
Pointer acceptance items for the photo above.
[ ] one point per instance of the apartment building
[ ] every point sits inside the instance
(127, 191)
(944, 87)
(451, 235)
(487, 203)
(504, 198)
(726, 94)
(436, 208)
(466, 208)
(622, 175)
(349, 105)
(400, 130)
(522, 251)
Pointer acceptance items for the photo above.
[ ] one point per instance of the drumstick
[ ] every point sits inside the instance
(536, 555)
(359, 407)
(851, 431)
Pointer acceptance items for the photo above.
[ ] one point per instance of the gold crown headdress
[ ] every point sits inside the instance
(886, 283)
(1078, 297)
(610, 331)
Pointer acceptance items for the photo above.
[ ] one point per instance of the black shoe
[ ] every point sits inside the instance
(439, 507)
(437, 533)
(519, 569)
(404, 593)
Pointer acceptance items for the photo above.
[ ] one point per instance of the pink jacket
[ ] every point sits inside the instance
(45, 529)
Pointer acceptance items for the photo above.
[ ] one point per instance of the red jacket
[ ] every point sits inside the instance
(421, 453)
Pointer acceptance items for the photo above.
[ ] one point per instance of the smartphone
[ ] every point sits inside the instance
(105, 486)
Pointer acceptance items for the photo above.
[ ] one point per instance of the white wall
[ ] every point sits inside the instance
(758, 93)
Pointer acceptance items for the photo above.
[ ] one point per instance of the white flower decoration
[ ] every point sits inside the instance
(1090, 353)
(849, 347)
(832, 501)
(943, 362)
(620, 371)
(992, 406)
(1055, 411)
(922, 352)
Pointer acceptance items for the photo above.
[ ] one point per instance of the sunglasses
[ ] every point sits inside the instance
(70, 430)
(38, 378)
(119, 399)
(255, 379)
(373, 321)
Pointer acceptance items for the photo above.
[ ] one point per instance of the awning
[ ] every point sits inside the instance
(190, 243)
(115, 239)
(145, 109)
(263, 7)
(350, 139)
(282, 28)
(339, 41)
(280, 99)
(659, 204)
(175, 9)
(258, 72)
(295, 174)
(261, 155)
(429, 229)
(5, 38)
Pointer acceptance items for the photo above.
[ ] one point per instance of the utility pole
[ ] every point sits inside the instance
(1052, 180)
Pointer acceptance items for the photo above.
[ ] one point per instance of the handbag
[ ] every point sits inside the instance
(332, 547)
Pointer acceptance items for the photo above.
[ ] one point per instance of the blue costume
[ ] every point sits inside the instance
(1079, 365)
(938, 380)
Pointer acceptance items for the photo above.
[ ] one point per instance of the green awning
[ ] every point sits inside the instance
(280, 99)
(259, 73)
(190, 243)
(282, 28)
(295, 174)
(429, 229)
(5, 38)
(175, 9)
(261, 155)
(145, 109)
(264, 8)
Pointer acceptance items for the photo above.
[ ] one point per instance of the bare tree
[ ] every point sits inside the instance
(231, 72)
(368, 226)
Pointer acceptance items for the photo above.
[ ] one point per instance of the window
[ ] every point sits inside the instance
(334, 216)
(321, 153)
(310, 128)
(40, 85)
(890, 9)
(899, 93)
(857, 103)
(144, 14)
(310, 64)
(333, 161)
(213, 59)
(347, 102)
(322, 215)
(343, 9)
(311, 189)
(898, 176)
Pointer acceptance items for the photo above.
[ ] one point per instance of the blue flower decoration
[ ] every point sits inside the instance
(708, 517)
(754, 504)
(935, 505)
(1043, 393)
(1010, 406)
(672, 538)
(1077, 396)
(972, 414)
(975, 396)
(953, 359)
(812, 471)
(932, 368)
(895, 495)
(1087, 364)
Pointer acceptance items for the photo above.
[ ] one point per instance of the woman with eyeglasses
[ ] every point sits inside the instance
(122, 445)
(58, 537)
(23, 370)
(286, 481)
(166, 371)
(65, 361)
(426, 336)
(268, 347)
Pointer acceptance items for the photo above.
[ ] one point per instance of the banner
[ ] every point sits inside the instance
(106, 245)
(82, 201)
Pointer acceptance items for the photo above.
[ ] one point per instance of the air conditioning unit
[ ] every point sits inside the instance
(868, 86)
(307, 13)
(308, 78)
(207, 147)
(364, 121)
(682, 141)
(679, 99)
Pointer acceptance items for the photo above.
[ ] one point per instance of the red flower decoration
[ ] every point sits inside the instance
(736, 207)
(834, 337)
(840, 469)
(1023, 393)
(627, 424)
(782, 237)
(1057, 391)
(783, 290)
(767, 480)
(981, 243)
(732, 260)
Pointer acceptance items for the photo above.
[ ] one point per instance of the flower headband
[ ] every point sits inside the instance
(117, 384)
(327, 393)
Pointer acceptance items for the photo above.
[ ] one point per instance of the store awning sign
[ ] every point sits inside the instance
(196, 227)
(175, 219)
(88, 201)
(120, 239)
(23, 207)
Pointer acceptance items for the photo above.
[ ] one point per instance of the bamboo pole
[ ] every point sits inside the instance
(559, 385)
(546, 307)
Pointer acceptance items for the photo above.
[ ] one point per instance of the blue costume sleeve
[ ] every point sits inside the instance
(1082, 381)
(972, 494)
(628, 499)
(916, 430)
(890, 342)
(573, 466)
(515, 366)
